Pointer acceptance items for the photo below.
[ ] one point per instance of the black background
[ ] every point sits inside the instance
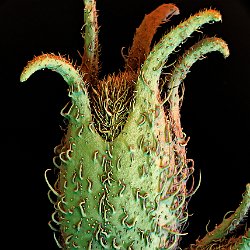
(215, 111)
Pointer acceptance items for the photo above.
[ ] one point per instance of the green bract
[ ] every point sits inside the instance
(122, 166)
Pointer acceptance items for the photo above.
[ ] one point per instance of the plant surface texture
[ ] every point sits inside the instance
(122, 165)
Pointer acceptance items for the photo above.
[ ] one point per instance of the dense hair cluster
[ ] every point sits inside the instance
(111, 101)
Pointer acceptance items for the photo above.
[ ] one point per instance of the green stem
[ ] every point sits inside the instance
(230, 223)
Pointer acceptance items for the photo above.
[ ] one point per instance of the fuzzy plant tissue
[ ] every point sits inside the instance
(122, 164)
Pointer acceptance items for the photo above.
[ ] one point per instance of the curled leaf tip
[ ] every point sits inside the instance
(55, 63)
(211, 12)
